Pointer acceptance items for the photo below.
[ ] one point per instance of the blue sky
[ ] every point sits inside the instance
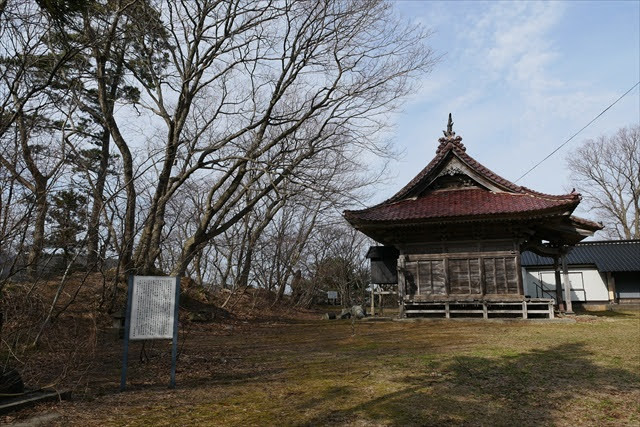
(520, 78)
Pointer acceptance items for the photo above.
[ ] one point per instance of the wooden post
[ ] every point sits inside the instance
(401, 285)
(567, 284)
(485, 310)
(447, 285)
(519, 270)
(556, 268)
(525, 314)
(447, 313)
(417, 278)
(373, 301)
(380, 301)
(174, 344)
(611, 286)
(483, 279)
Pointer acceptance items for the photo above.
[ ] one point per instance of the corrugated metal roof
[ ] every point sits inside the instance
(611, 255)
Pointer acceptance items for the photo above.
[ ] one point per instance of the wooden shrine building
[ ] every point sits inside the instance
(458, 230)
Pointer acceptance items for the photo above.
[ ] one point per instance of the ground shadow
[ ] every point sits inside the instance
(526, 389)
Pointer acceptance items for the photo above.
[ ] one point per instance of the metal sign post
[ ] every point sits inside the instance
(127, 325)
(174, 345)
(152, 313)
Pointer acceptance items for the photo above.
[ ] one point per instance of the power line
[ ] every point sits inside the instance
(576, 134)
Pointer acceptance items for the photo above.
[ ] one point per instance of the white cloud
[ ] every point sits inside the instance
(511, 39)
(517, 88)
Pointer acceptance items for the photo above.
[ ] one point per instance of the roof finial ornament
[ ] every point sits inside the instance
(449, 133)
(449, 140)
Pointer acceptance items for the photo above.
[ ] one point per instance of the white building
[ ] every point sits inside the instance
(599, 272)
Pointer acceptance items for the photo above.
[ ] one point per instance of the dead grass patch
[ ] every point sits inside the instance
(263, 365)
(388, 373)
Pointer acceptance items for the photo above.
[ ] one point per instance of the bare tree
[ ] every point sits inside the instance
(31, 58)
(606, 170)
(16, 208)
(363, 68)
(334, 260)
(248, 104)
(247, 94)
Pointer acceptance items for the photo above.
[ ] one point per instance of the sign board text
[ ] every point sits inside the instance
(152, 307)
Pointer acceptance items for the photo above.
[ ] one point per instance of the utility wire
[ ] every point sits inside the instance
(576, 134)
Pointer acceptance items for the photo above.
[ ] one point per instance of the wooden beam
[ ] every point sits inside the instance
(540, 248)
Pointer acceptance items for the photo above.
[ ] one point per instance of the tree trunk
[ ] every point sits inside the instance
(39, 190)
(106, 106)
(129, 220)
(38, 229)
(98, 192)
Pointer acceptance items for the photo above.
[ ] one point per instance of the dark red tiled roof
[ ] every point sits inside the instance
(455, 146)
(415, 202)
(466, 203)
(590, 225)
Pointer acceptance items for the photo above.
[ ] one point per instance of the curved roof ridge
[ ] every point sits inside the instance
(586, 222)
(572, 195)
(416, 180)
(454, 145)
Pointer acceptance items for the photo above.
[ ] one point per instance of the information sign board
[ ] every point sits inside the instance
(332, 294)
(152, 307)
(152, 313)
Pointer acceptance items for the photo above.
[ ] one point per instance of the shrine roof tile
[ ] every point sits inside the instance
(462, 203)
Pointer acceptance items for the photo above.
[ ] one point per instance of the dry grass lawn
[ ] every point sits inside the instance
(379, 373)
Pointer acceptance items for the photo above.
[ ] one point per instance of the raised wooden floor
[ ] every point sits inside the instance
(526, 308)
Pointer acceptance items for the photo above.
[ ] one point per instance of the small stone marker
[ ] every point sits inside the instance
(358, 312)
